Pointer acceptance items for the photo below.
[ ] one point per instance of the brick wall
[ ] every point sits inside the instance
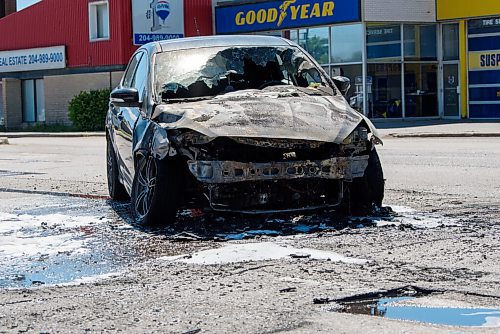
(59, 90)
(12, 103)
(400, 11)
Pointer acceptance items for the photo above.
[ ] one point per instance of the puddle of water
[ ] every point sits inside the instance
(398, 307)
(66, 245)
(260, 251)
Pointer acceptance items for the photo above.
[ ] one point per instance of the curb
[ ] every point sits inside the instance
(4, 140)
(52, 134)
(444, 135)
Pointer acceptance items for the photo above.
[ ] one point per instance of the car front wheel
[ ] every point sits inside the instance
(155, 192)
(368, 191)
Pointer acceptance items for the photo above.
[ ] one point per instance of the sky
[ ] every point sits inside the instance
(25, 3)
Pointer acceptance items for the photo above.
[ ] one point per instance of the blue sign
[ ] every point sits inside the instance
(284, 14)
(484, 68)
(162, 9)
(157, 20)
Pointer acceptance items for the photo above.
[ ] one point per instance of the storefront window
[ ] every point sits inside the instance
(421, 90)
(326, 68)
(383, 42)
(355, 73)
(420, 42)
(346, 43)
(383, 87)
(294, 36)
(33, 101)
(450, 42)
(315, 41)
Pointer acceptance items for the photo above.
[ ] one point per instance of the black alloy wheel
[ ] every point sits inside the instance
(146, 184)
(115, 187)
(154, 192)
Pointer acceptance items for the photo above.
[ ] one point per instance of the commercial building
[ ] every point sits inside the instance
(479, 44)
(404, 59)
(53, 50)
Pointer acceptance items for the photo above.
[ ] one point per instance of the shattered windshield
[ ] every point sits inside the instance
(206, 72)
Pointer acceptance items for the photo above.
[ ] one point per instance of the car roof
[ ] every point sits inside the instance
(221, 41)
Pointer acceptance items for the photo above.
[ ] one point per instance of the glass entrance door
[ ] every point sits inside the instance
(421, 90)
(451, 98)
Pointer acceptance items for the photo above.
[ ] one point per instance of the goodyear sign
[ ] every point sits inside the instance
(284, 14)
(484, 60)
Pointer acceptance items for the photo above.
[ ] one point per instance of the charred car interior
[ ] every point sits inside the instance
(246, 124)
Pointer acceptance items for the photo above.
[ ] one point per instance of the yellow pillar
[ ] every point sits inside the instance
(463, 69)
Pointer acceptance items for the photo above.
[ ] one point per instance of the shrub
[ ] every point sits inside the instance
(88, 110)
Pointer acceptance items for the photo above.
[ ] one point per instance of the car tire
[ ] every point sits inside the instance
(368, 191)
(115, 187)
(155, 192)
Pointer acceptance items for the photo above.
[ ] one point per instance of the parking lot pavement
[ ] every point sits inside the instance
(72, 260)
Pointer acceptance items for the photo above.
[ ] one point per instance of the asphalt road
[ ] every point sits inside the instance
(72, 261)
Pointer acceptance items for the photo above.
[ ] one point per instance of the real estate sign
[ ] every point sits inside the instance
(157, 20)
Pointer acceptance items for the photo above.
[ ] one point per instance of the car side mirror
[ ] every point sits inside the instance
(342, 83)
(124, 97)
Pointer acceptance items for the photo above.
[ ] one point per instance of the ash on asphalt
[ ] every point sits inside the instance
(402, 304)
(226, 227)
(47, 240)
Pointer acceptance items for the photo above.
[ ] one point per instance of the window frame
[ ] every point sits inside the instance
(443, 42)
(131, 68)
(35, 101)
(93, 22)
(145, 90)
(140, 55)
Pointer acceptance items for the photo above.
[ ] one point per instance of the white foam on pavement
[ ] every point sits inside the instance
(29, 235)
(91, 279)
(492, 322)
(262, 251)
(408, 216)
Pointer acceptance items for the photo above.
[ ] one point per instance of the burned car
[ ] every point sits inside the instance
(247, 124)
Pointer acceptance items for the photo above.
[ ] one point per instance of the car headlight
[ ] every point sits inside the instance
(357, 137)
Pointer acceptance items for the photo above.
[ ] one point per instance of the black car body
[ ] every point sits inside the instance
(236, 123)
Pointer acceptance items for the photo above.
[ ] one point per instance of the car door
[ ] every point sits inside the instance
(136, 77)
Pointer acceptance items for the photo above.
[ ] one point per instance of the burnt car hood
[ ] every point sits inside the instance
(264, 115)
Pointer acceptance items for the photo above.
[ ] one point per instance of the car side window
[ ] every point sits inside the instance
(140, 76)
(129, 75)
